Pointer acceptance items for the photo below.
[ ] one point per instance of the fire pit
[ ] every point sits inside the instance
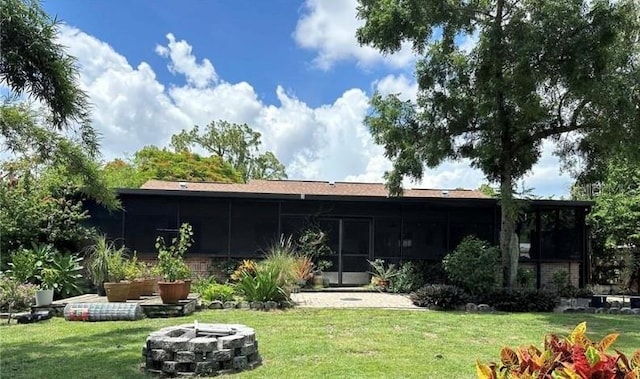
(201, 349)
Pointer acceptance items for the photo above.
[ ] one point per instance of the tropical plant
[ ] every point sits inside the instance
(409, 278)
(67, 269)
(474, 265)
(303, 268)
(246, 266)
(574, 356)
(116, 262)
(99, 256)
(382, 271)
(27, 264)
(263, 285)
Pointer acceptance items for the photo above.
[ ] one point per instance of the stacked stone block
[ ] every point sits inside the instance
(202, 349)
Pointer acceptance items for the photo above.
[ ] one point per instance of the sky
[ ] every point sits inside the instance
(292, 70)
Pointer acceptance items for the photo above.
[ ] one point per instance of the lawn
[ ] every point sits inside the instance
(303, 343)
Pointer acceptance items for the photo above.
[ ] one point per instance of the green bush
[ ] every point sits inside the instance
(409, 278)
(473, 265)
(219, 292)
(441, 296)
(263, 285)
(519, 300)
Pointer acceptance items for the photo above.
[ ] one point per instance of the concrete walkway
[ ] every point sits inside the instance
(357, 299)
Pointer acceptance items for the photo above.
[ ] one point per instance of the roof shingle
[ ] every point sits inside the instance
(294, 187)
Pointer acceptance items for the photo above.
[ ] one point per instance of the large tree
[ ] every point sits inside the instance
(559, 69)
(234, 143)
(152, 162)
(35, 67)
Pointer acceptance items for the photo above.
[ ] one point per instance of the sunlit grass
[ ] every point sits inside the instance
(302, 343)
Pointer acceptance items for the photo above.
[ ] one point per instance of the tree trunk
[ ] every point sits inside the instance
(508, 239)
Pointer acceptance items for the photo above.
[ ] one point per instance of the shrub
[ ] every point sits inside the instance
(16, 296)
(525, 278)
(408, 279)
(201, 283)
(518, 300)
(263, 285)
(473, 265)
(281, 259)
(572, 357)
(439, 295)
(220, 292)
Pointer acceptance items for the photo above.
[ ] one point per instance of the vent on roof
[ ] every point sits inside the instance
(332, 183)
(182, 185)
(445, 193)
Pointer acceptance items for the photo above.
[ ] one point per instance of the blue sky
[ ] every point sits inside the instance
(292, 70)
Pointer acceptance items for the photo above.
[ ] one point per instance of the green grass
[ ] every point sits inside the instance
(304, 343)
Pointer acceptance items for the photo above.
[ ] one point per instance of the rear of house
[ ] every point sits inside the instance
(236, 221)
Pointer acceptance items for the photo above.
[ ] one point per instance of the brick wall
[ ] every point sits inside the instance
(548, 269)
(199, 266)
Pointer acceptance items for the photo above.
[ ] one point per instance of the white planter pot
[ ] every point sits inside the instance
(44, 297)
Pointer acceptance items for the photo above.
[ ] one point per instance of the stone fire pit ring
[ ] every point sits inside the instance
(201, 349)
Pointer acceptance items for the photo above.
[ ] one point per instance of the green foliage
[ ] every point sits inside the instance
(574, 356)
(473, 265)
(16, 296)
(519, 85)
(614, 222)
(219, 292)
(154, 163)
(200, 283)
(282, 259)
(263, 285)
(32, 213)
(382, 271)
(32, 61)
(518, 299)
(99, 257)
(27, 264)
(440, 296)
(313, 242)
(526, 278)
(236, 144)
(246, 266)
(410, 277)
(66, 275)
(171, 258)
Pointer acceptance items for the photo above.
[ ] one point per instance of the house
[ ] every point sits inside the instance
(233, 221)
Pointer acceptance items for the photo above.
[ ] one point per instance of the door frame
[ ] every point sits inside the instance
(341, 219)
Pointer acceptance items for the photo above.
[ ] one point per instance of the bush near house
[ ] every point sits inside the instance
(474, 265)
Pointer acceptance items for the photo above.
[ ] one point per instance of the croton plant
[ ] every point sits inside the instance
(572, 357)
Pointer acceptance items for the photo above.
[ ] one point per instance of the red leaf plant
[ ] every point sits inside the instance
(571, 357)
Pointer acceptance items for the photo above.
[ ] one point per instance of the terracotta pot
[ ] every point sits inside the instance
(117, 292)
(186, 288)
(148, 287)
(170, 291)
(135, 290)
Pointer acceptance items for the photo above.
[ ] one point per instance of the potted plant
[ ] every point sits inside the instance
(382, 273)
(44, 295)
(318, 279)
(133, 273)
(116, 287)
(98, 262)
(150, 282)
(184, 275)
(171, 265)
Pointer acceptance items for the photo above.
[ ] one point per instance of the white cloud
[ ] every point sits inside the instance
(329, 27)
(183, 62)
(329, 142)
(407, 88)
